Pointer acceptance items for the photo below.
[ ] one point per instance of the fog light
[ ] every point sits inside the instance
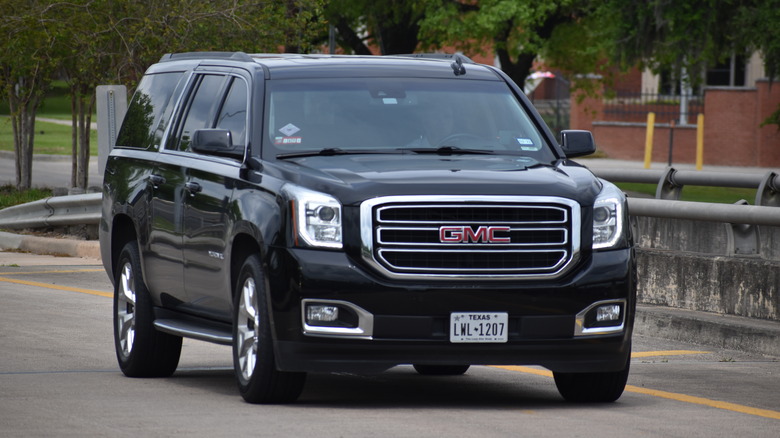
(321, 313)
(609, 312)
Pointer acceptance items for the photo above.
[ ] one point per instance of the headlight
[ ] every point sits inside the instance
(608, 218)
(316, 217)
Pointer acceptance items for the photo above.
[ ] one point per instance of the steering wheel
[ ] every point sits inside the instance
(454, 139)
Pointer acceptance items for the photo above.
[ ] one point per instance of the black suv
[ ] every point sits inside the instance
(348, 213)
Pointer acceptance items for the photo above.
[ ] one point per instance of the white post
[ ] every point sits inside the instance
(111, 108)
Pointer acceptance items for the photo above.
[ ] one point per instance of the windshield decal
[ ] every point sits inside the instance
(288, 140)
(289, 129)
(526, 144)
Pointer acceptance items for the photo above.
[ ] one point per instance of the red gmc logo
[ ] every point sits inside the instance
(466, 234)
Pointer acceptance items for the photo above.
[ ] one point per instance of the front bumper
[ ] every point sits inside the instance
(410, 321)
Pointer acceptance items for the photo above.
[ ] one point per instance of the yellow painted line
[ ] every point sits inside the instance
(527, 370)
(668, 395)
(706, 402)
(639, 354)
(56, 287)
(70, 271)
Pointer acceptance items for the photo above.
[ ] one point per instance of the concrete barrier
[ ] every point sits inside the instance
(688, 265)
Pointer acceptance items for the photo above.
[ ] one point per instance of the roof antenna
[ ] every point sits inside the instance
(457, 66)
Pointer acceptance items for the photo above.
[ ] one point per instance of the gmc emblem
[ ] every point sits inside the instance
(466, 234)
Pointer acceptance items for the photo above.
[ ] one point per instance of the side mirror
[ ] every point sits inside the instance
(218, 142)
(577, 143)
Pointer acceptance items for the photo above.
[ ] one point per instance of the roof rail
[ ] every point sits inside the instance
(442, 56)
(238, 56)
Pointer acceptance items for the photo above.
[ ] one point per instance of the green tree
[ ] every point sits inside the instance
(692, 35)
(518, 31)
(89, 42)
(688, 36)
(26, 66)
(390, 26)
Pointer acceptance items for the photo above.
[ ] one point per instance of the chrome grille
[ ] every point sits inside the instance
(465, 237)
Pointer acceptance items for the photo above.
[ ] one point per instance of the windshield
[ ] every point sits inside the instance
(370, 115)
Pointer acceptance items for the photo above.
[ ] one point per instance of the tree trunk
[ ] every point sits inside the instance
(74, 138)
(517, 70)
(23, 123)
(82, 120)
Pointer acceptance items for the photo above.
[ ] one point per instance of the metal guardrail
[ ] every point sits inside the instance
(670, 182)
(86, 209)
(56, 211)
(742, 219)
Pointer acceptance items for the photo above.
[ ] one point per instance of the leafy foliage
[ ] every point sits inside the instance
(88, 42)
(517, 31)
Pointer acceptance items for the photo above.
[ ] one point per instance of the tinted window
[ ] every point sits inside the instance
(396, 113)
(144, 114)
(233, 113)
(201, 112)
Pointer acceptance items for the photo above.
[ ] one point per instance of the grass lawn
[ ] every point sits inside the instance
(10, 196)
(50, 138)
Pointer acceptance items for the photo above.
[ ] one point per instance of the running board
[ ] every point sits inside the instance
(210, 333)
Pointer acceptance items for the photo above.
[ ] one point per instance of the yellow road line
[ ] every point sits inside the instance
(668, 395)
(527, 370)
(70, 271)
(706, 402)
(638, 354)
(56, 287)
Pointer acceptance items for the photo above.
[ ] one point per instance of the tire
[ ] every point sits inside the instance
(441, 370)
(253, 353)
(141, 350)
(592, 387)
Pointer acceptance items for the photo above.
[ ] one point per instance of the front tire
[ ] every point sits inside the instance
(253, 354)
(141, 350)
(592, 387)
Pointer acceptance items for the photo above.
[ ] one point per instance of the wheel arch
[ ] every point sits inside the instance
(122, 231)
(244, 244)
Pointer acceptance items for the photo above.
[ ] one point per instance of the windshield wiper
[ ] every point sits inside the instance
(449, 150)
(329, 152)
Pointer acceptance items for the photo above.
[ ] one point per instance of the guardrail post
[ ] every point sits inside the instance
(668, 188)
(743, 239)
(768, 193)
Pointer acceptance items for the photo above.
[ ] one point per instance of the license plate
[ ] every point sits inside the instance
(478, 327)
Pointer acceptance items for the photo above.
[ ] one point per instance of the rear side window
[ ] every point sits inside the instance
(144, 121)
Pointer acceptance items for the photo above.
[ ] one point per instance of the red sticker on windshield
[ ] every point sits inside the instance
(287, 140)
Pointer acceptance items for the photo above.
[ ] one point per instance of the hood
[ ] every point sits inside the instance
(354, 178)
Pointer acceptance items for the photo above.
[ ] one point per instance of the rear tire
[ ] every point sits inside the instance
(441, 370)
(253, 352)
(141, 350)
(592, 387)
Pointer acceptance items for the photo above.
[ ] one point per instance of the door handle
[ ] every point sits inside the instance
(193, 187)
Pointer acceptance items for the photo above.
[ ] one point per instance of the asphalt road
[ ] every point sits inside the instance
(58, 377)
(51, 171)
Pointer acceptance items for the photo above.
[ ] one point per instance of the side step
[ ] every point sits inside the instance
(215, 333)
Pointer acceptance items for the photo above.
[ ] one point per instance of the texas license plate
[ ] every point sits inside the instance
(478, 327)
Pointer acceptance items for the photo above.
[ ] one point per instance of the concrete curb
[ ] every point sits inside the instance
(50, 245)
(702, 328)
(711, 329)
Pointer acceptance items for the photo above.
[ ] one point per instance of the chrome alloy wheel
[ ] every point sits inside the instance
(248, 326)
(125, 310)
